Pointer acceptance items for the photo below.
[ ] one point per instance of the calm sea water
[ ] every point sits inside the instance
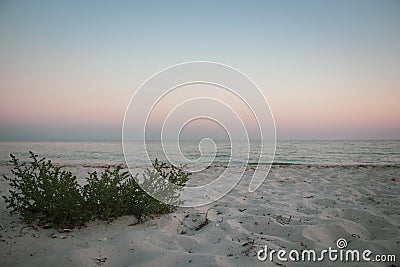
(287, 152)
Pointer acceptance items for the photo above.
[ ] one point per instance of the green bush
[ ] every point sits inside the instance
(157, 181)
(44, 192)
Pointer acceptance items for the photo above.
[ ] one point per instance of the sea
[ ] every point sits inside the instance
(109, 153)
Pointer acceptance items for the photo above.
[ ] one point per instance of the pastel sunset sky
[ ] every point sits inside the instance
(329, 69)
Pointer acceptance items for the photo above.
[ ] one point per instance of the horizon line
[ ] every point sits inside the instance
(169, 140)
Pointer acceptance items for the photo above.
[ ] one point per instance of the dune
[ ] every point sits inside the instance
(297, 208)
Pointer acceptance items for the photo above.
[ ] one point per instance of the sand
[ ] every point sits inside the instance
(297, 207)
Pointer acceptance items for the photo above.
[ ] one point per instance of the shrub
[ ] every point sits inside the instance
(104, 195)
(157, 181)
(44, 192)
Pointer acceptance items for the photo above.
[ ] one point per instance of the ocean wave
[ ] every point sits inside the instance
(249, 164)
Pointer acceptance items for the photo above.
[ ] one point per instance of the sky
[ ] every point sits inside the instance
(329, 69)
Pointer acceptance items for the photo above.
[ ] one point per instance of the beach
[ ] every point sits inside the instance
(199, 133)
(297, 208)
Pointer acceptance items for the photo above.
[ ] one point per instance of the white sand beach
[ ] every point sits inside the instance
(297, 207)
(103, 101)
